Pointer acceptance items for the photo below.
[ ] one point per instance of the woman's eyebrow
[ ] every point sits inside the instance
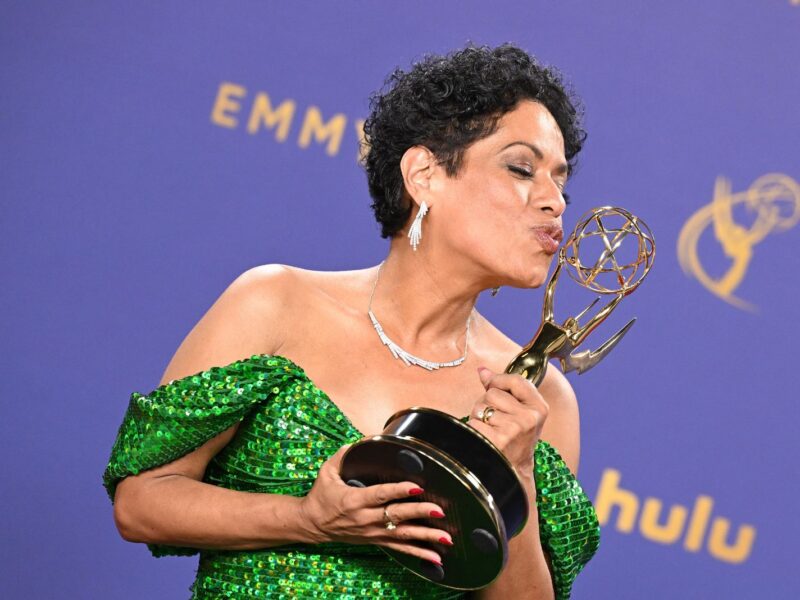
(562, 169)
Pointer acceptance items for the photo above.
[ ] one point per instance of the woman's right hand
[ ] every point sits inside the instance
(337, 512)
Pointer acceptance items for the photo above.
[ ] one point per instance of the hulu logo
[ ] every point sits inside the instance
(669, 529)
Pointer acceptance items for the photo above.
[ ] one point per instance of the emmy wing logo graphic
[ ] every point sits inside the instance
(774, 203)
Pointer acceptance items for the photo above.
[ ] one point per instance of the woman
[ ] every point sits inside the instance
(468, 156)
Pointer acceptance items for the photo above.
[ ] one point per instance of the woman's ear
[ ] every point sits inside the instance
(417, 166)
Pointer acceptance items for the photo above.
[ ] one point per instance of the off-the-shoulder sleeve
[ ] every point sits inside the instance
(568, 526)
(180, 416)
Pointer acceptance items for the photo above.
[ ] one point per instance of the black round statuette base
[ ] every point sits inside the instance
(460, 470)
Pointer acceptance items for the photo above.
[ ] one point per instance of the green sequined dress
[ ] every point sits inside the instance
(289, 427)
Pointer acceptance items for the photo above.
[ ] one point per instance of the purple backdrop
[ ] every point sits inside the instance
(129, 204)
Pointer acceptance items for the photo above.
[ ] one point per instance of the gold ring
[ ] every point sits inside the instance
(485, 415)
(388, 520)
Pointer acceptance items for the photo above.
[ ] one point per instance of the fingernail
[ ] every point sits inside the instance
(415, 491)
(437, 514)
(436, 562)
(445, 541)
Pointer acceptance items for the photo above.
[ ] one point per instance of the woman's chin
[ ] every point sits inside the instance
(538, 275)
(526, 275)
(535, 283)
(530, 280)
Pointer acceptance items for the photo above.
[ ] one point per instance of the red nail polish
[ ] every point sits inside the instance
(445, 541)
(415, 491)
(437, 514)
(436, 562)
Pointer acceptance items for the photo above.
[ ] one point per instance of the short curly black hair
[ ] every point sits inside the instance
(446, 103)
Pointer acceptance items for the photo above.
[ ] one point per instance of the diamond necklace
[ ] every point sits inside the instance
(407, 357)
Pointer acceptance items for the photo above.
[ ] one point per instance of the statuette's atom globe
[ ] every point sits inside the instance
(610, 251)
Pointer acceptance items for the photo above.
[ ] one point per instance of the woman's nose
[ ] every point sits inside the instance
(549, 199)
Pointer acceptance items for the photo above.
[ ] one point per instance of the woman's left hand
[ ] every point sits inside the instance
(519, 412)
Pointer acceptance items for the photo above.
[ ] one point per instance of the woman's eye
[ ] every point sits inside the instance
(520, 171)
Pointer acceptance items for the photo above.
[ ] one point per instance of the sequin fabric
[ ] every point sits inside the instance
(568, 526)
(289, 427)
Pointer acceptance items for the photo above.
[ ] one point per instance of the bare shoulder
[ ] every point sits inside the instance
(260, 311)
(249, 317)
(337, 285)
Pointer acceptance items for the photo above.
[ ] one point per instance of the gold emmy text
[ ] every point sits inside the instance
(234, 107)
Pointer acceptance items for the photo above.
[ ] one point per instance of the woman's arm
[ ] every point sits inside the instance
(170, 504)
(527, 573)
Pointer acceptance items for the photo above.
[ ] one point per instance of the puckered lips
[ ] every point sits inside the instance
(549, 236)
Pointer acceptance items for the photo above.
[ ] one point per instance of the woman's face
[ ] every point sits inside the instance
(502, 213)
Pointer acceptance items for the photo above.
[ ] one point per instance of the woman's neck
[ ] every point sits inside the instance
(423, 304)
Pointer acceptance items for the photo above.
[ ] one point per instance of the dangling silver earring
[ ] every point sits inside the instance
(494, 291)
(415, 232)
